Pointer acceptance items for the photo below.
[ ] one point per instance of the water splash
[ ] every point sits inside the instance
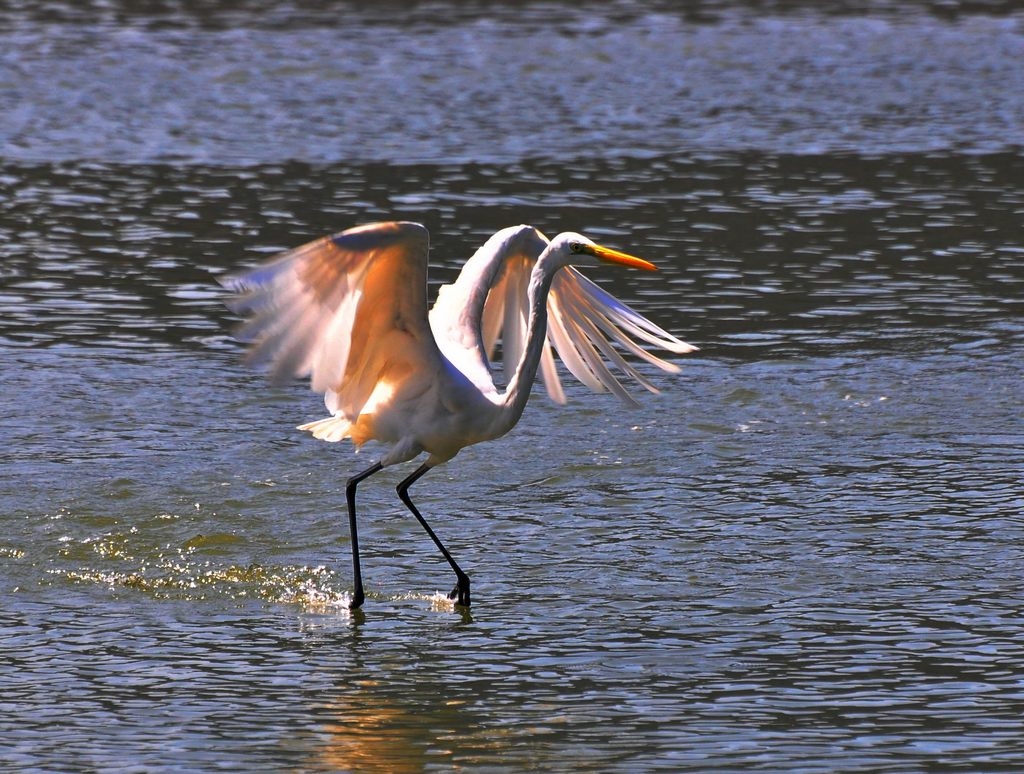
(182, 576)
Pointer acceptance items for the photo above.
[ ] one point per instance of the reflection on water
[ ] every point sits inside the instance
(372, 732)
(805, 554)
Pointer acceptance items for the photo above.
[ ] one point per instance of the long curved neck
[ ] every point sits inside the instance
(517, 393)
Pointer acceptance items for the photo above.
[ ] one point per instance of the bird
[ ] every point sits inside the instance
(349, 310)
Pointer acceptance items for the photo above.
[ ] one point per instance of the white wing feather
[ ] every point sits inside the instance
(327, 309)
(349, 310)
(584, 321)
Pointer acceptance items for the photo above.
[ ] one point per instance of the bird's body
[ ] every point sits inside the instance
(350, 310)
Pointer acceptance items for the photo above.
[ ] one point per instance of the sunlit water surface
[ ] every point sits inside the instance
(805, 553)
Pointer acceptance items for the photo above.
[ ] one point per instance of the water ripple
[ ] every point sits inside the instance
(804, 554)
(757, 285)
(650, 81)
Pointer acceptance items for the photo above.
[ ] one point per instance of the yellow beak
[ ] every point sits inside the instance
(614, 256)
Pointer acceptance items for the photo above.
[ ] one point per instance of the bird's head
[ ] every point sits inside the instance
(572, 249)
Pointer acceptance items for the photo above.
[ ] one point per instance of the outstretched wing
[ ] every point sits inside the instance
(585, 323)
(348, 309)
(587, 327)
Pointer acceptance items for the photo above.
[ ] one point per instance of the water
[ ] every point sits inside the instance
(805, 554)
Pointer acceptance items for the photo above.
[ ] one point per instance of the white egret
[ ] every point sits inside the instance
(351, 311)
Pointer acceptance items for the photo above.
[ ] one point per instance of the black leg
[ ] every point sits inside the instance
(461, 591)
(350, 495)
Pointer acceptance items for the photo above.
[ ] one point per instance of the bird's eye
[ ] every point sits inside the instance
(576, 247)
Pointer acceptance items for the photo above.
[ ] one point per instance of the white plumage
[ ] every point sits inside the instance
(350, 311)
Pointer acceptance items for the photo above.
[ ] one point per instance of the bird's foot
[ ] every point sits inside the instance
(357, 600)
(461, 591)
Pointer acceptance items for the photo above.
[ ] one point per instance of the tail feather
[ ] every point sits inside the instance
(331, 429)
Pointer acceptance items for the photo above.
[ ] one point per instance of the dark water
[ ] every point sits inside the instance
(807, 553)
